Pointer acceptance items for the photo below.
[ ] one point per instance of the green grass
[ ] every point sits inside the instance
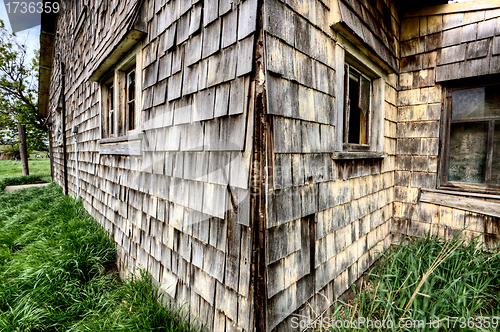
(11, 173)
(429, 279)
(35, 166)
(56, 266)
(21, 179)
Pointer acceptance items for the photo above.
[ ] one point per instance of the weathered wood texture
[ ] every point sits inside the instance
(375, 23)
(435, 51)
(350, 202)
(448, 222)
(490, 207)
(180, 208)
(441, 48)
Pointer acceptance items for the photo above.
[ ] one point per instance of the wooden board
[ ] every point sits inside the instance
(472, 204)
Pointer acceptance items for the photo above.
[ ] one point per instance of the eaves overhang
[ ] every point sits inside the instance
(136, 29)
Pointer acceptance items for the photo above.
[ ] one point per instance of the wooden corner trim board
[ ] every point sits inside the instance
(487, 206)
(454, 8)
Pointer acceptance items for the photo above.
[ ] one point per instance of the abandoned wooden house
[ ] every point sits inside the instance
(255, 156)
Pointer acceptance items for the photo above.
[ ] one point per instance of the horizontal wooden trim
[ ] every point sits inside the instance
(127, 148)
(454, 8)
(350, 155)
(129, 145)
(356, 147)
(491, 118)
(462, 193)
(130, 137)
(479, 205)
(471, 187)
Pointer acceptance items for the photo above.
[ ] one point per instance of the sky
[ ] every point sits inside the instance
(31, 36)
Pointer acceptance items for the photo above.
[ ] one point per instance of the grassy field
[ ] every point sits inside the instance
(429, 281)
(36, 166)
(56, 272)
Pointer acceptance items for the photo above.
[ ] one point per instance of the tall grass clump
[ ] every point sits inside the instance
(427, 280)
(57, 272)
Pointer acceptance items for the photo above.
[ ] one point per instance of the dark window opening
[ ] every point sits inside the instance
(130, 93)
(308, 242)
(354, 116)
(357, 109)
(111, 110)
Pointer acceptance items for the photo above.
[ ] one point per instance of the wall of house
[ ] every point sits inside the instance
(437, 50)
(181, 209)
(448, 222)
(326, 219)
(375, 24)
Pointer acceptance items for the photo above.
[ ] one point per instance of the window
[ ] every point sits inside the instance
(358, 91)
(130, 96)
(78, 8)
(108, 100)
(360, 109)
(472, 138)
(80, 13)
(119, 98)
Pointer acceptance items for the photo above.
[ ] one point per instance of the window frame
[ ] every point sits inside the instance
(118, 75)
(443, 182)
(108, 131)
(347, 53)
(355, 146)
(131, 126)
(79, 15)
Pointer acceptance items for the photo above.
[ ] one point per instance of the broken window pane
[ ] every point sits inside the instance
(131, 99)
(358, 108)
(353, 111)
(111, 108)
(467, 154)
(476, 102)
(364, 95)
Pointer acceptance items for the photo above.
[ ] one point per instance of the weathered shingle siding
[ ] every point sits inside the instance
(437, 50)
(169, 210)
(350, 202)
(182, 210)
(376, 23)
(450, 46)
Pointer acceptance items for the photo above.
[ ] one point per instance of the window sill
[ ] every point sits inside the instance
(351, 155)
(129, 145)
(465, 187)
(473, 202)
(126, 138)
